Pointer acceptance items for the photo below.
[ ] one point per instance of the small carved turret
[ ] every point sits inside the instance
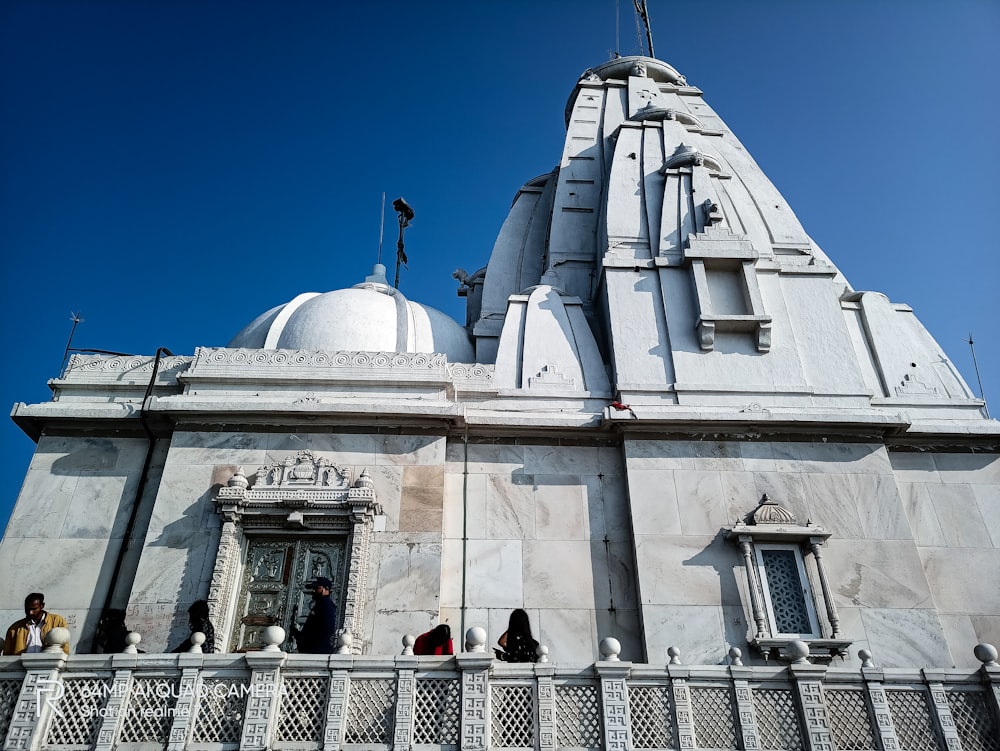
(769, 512)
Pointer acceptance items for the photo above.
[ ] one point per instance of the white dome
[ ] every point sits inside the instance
(369, 317)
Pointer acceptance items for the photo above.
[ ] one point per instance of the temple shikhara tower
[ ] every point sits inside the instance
(744, 504)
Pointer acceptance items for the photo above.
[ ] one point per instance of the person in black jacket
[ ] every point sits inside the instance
(517, 643)
(316, 634)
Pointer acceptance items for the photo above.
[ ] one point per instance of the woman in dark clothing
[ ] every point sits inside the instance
(437, 641)
(517, 642)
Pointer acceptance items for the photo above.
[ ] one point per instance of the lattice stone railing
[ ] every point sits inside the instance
(271, 700)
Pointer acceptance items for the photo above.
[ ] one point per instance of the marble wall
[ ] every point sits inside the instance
(182, 540)
(542, 527)
(952, 502)
(887, 586)
(67, 528)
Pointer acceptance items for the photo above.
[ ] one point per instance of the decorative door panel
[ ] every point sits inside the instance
(273, 590)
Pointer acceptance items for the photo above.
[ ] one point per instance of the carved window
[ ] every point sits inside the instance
(783, 562)
(300, 518)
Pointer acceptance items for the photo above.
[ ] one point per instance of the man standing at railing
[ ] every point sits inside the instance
(316, 634)
(28, 634)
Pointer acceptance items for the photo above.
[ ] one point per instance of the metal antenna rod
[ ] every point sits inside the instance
(75, 318)
(643, 12)
(381, 228)
(975, 364)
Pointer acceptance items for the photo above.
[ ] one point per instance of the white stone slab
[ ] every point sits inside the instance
(685, 570)
(653, 500)
(556, 460)
(699, 502)
(560, 508)
(563, 574)
(904, 637)
(963, 580)
(695, 630)
(988, 500)
(876, 574)
(494, 574)
(510, 507)
(920, 512)
(958, 513)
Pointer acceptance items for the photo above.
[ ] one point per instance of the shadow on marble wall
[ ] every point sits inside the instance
(193, 539)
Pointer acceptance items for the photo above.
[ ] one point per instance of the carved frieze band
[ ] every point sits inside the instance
(271, 358)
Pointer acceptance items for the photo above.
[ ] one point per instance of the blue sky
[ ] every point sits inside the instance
(172, 169)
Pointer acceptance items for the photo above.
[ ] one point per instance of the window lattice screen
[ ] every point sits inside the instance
(79, 712)
(512, 724)
(650, 713)
(578, 716)
(221, 704)
(437, 711)
(150, 710)
(714, 725)
(911, 716)
(370, 711)
(777, 721)
(791, 614)
(976, 725)
(850, 722)
(302, 711)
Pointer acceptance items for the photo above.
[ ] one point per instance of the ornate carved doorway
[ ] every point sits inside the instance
(273, 591)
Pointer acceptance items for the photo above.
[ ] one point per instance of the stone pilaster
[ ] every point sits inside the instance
(187, 695)
(880, 708)
(336, 707)
(260, 716)
(942, 710)
(683, 708)
(614, 700)
(117, 704)
(809, 685)
(744, 707)
(546, 707)
(406, 690)
(475, 701)
(40, 691)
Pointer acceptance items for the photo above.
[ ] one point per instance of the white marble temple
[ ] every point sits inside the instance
(602, 511)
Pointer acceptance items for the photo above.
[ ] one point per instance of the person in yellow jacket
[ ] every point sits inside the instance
(28, 634)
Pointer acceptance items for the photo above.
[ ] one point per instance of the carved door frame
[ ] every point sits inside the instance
(300, 496)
